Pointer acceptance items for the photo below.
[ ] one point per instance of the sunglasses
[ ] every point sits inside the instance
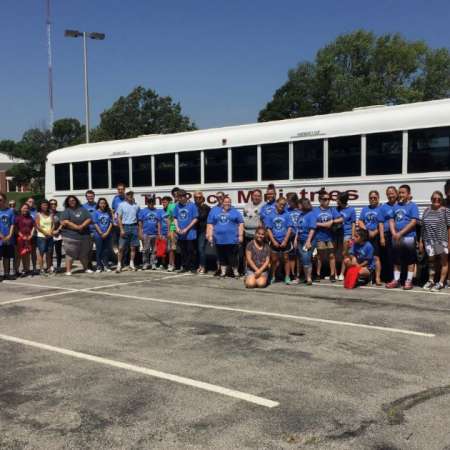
(373, 198)
(436, 199)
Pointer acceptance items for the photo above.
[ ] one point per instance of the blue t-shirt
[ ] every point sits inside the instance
(163, 215)
(322, 216)
(91, 207)
(7, 218)
(267, 210)
(403, 214)
(386, 212)
(294, 214)
(306, 223)
(116, 201)
(371, 217)
(185, 214)
(226, 225)
(149, 218)
(279, 223)
(362, 253)
(349, 215)
(102, 219)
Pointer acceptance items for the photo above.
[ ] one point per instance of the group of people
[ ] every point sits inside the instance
(272, 238)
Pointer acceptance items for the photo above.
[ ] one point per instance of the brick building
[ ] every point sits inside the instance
(7, 183)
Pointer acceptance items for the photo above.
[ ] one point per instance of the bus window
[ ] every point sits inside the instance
(189, 167)
(99, 174)
(308, 159)
(384, 153)
(216, 166)
(62, 177)
(142, 171)
(429, 150)
(80, 175)
(344, 156)
(275, 161)
(165, 169)
(245, 164)
(120, 172)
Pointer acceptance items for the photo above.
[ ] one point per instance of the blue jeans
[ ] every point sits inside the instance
(102, 251)
(201, 248)
(306, 256)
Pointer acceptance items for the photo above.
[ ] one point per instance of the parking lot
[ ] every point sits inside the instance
(168, 361)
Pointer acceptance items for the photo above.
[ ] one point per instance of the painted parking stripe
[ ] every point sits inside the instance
(35, 297)
(43, 286)
(270, 314)
(146, 371)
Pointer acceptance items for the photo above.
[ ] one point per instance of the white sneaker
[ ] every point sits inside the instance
(69, 274)
(437, 287)
(108, 269)
(99, 271)
(88, 271)
(428, 285)
(118, 269)
(340, 277)
(132, 268)
(153, 266)
(170, 269)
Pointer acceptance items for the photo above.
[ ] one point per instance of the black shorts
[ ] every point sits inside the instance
(376, 245)
(7, 251)
(404, 251)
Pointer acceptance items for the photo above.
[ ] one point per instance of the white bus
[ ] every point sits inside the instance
(357, 151)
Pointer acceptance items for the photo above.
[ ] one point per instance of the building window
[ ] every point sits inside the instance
(384, 153)
(62, 177)
(142, 171)
(80, 175)
(189, 167)
(165, 170)
(216, 166)
(429, 150)
(120, 171)
(275, 161)
(245, 163)
(344, 156)
(99, 174)
(308, 159)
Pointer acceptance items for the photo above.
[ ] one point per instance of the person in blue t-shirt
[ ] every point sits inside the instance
(292, 208)
(345, 228)
(304, 240)
(7, 219)
(325, 218)
(185, 216)
(279, 228)
(370, 219)
(90, 206)
(116, 201)
(226, 232)
(402, 223)
(149, 230)
(386, 212)
(269, 207)
(103, 225)
(362, 254)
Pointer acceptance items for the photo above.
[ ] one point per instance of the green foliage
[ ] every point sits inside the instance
(141, 112)
(360, 69)
(22, 197)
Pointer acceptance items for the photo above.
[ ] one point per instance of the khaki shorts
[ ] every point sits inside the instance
(172, 240)
(325, 245)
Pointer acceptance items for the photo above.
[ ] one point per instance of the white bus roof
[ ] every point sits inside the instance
(374, 119)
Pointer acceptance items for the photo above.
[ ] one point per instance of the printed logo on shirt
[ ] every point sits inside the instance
(371, 217)
(223, 218)
(183, 214)
(5, 219)
(104, 220)
(400, 215)
(278, 223)
(322, 218)
(269, 210)
(151, 217)
(295, 217)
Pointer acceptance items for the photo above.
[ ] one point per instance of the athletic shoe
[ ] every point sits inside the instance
(309, 283)
(393, 284)
(437, 287)
(69, 274)
(295, 281)
(223, 272)
(88, 271)
(107, 269)
(408, 285)
(160, 267)
(201, 272)
(428, 285)
(236, 273)
(145, 267)
(118, 269)
(341, 277)
(333, 278)
(170, 268)
(99, 271)
(153, 266)
(287, 280)
(132, 268)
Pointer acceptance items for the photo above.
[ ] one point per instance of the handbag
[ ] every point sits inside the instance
(351, 277)
(161, 247)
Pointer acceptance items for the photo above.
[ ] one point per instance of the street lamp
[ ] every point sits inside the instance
(85, 35)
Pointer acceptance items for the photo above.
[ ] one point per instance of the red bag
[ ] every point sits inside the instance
(161, 247)
(23, 246)
(351, 277)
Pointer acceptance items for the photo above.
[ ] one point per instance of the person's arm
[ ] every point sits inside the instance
(193, 222)
(158, 228)
(10, 233)
(392, 227)
(122, 229)
(272, 239)
(38, 224)
(98, 229)
(241, 232)
(327, 224)
(108, 231)
(286, 238)
(309, 239)
(85, 223)
(140, 230)
(361, 224)
(250, 262)
(411, 225)
(338, 220)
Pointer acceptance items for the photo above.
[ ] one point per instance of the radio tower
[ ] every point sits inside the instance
(50, 64)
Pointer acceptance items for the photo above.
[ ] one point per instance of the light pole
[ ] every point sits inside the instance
(85, 35)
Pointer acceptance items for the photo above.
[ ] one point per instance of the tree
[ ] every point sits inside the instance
(141, 112)
(360, 69)
(67, 132)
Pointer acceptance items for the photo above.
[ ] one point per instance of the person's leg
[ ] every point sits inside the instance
(377, 271)
(275, 260)
(98, 252)
(332, 262)
(153, 258)
(287, 268)
(250, 281)
(201, 251)
(306, 256)
(192, 247)
(322, 255)
(26, 263)
(261, 281)
(68, 264)
(444, 268)
(105, 253)
(33, 252)
(146, 251)
(222, 258)
(58, 250)
(397, 264)
(6, 261)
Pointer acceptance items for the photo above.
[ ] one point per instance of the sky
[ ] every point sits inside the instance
(222, 60)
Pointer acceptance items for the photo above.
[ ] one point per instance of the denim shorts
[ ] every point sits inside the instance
(44, 245)
(131, 238)
(305, 255)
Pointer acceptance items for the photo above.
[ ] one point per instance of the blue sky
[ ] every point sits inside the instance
(222, 60)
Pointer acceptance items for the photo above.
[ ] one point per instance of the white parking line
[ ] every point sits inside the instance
(46, 286)
(271, 314)
(36, 297)
(145, 371)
